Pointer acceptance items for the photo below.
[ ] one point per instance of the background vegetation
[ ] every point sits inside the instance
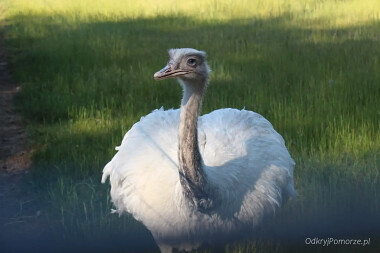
(310, 67)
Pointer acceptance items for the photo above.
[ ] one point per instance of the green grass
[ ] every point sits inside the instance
(310, 67)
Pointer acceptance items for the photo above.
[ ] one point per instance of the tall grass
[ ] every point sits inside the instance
(311, 67)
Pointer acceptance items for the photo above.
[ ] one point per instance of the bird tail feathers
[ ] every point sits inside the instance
(106, 172)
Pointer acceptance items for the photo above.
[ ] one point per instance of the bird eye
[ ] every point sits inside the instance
(191, 62)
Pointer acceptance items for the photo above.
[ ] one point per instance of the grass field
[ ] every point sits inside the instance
(310, 67)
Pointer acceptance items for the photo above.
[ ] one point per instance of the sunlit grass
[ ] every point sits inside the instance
(333, 13)
(310, 67)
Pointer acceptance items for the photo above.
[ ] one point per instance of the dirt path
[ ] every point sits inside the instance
(17, 210)
(14, 152)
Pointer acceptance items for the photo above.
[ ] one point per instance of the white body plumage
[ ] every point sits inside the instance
(193, 179)
(245, 159)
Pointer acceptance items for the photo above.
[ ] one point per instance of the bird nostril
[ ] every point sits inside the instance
(168, 68)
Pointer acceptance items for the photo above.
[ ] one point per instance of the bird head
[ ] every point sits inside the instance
(187, 64)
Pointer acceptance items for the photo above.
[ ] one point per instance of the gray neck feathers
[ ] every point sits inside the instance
(192, 176)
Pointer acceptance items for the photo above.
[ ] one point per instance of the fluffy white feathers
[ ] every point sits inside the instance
(245, 160)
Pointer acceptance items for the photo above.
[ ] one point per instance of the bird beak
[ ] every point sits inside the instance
(163, 73)
(168, 72)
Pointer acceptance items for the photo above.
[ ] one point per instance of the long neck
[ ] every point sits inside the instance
(192, 176)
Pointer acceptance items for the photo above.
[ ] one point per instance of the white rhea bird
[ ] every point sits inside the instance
(194, 179)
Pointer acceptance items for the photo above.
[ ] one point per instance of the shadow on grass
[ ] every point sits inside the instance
(303, 80)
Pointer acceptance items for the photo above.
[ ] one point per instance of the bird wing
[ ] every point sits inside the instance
(225, 134)
(248, 158)
(144, 171)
